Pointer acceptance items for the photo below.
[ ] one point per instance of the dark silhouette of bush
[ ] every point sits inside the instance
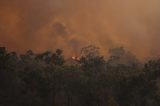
(44, 80)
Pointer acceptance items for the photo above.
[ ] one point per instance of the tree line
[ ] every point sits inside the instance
(48, 79)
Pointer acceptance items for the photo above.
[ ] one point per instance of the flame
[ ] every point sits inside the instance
(73, 57)
(76, 58)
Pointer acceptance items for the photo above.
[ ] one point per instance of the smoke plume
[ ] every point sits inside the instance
(71, 24)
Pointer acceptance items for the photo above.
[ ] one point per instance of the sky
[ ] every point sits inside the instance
(72, 24)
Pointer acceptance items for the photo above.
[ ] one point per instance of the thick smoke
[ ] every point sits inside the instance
(71, 24)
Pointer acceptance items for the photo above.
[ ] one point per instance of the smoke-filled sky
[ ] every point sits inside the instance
(71, 24)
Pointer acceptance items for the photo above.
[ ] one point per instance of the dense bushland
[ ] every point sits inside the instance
(47, 79)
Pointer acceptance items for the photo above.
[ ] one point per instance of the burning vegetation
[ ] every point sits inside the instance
(76, 75)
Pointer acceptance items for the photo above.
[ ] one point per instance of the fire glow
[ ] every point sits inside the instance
(70, 25)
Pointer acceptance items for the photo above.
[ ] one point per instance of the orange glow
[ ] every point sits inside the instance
(72, 24)
(75, 58)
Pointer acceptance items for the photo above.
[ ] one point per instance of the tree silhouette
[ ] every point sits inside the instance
(57, 58)
(3, 58)
(43, 80)
(90, 57)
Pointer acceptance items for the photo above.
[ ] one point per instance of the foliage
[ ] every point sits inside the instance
(44, 80)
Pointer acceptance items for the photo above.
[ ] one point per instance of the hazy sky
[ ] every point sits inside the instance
(71, 24)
